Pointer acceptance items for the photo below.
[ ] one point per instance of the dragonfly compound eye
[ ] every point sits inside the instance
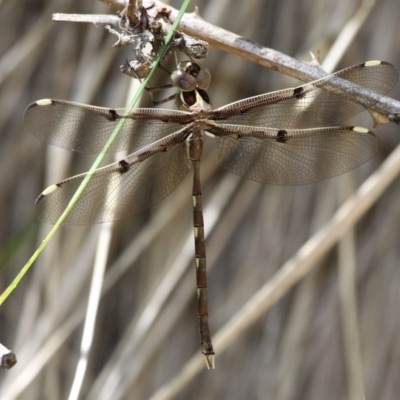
(183, 80)
(203, 79)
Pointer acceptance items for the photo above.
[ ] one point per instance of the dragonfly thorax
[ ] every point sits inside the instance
(195, 100)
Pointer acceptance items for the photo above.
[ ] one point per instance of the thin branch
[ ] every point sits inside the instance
(87, 18)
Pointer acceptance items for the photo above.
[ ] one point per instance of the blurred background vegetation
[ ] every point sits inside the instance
(295, 351)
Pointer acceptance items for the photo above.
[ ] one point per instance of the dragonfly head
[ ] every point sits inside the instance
(191, 80)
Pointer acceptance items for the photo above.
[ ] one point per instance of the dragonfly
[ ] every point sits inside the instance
(286, 137)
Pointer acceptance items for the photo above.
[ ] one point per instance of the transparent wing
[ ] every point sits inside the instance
(294, 157)
(310, 105)
(86, 129)
(129, 186)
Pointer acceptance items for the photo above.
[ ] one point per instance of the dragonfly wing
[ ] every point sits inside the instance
(129, 186)
(86, 129)
(311, 105)
(293, 157)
